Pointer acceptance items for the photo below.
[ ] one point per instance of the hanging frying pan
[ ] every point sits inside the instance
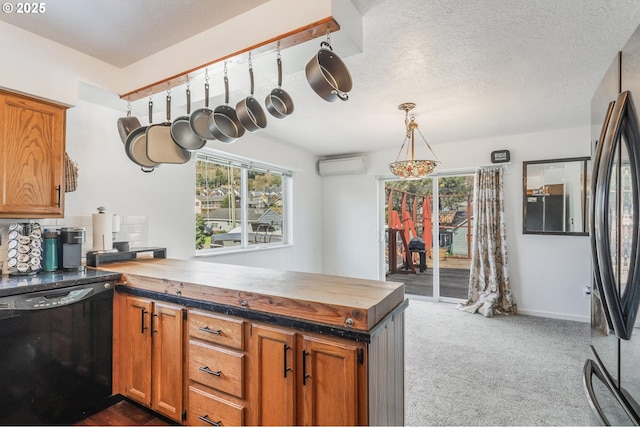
(161, 148)
(136, 145)
(249, 110)
(127, 124)
(327, 75)
(279, 104)
(224, 123)
(199, 119)
(182, 133)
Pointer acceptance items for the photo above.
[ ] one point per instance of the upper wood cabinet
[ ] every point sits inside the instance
(32, 147)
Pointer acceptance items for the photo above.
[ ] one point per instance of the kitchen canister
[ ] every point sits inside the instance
(50, 251)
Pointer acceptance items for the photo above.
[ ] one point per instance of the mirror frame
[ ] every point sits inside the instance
(585, 194)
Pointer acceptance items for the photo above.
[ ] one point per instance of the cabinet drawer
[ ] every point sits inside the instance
(216, 367)
(206, 409)
(216, 329)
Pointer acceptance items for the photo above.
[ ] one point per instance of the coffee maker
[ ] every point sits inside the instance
(70, 248)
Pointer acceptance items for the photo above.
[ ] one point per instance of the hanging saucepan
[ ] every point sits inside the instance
(181, 130)
(249, 110)
(128, 124)
(224, 123)
(199, 119)
(327, 75)
(278, 102)
(161, 147)
(136, 145)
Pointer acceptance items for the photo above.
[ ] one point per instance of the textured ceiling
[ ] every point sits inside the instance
(475, 68)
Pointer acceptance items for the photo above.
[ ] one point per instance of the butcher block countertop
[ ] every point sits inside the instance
(357, 304)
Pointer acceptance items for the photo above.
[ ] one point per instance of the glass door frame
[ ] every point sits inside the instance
(382, 206)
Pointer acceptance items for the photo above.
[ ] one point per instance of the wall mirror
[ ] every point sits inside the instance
(556, 196)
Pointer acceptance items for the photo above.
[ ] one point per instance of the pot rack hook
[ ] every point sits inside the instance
(188, 83)
(129, 107)
(250, 62)
(278, 50)
(206, 75)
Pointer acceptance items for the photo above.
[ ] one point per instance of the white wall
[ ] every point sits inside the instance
(548, 273)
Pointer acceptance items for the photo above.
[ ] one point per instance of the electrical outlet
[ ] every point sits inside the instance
(586, 292)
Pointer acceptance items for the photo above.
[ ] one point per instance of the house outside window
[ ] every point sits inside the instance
(240, 204)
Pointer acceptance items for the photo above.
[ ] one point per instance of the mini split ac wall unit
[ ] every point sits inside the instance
(343, 165)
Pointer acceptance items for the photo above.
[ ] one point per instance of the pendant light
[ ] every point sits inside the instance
(412, 169)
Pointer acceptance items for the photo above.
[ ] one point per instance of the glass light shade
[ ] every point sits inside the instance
(412, 169)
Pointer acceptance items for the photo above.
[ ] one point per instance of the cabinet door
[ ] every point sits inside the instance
(31, 158)
(273, 376)
(136, 349)
(329, 378)
(167, 360)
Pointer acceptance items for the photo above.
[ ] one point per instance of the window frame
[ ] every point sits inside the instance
(245, 165)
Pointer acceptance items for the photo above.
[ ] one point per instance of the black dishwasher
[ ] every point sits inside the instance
(55, 354)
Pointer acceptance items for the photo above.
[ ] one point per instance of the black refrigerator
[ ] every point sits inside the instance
(611, 375)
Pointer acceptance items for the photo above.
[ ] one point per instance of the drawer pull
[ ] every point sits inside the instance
(206, 419)
(211, 331)
(209, 371)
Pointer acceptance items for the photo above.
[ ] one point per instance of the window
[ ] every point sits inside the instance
(239, 204)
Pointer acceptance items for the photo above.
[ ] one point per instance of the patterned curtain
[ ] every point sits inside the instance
(489, 289)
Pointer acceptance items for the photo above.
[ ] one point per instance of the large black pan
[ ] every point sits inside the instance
(328, 76)
(136, 145)
(278, 102)
(199, 119)
(224, 123)
(249, 110)
(182, 133)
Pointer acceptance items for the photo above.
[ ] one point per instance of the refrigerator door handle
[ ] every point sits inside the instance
(623, 309)
(592, 213)
(590, 369)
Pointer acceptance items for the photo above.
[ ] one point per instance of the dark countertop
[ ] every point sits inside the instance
(14, 285)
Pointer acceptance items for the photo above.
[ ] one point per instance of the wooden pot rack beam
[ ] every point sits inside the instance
(289, 39)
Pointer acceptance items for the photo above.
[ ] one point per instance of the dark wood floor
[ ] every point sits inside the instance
(123, 413)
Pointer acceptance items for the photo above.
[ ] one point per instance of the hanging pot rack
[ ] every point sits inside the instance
(289, 39)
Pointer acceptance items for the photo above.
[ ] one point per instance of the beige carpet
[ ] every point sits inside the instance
(464, 369)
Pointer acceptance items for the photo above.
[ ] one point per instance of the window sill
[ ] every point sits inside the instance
(230, 251)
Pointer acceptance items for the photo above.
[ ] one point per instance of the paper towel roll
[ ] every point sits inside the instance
(115, 227)
(102, 237)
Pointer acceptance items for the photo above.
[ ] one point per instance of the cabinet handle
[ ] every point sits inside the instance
(211, 331)
(143, 312)
(152, 323)
(59, 190)
(206, 419)
(286, 368)
(304, 367)
(209, 371)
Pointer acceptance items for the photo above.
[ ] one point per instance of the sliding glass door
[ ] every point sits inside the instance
(428, 229)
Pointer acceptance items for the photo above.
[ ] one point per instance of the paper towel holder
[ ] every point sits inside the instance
(102, 211)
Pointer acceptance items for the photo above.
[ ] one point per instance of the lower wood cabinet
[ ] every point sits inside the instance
(225, 370)
(217, 370)
(305, 379)
(149, 358)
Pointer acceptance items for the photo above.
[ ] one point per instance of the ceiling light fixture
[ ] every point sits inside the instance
(412, 169)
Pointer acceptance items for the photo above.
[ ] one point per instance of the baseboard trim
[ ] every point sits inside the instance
(553, 315)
